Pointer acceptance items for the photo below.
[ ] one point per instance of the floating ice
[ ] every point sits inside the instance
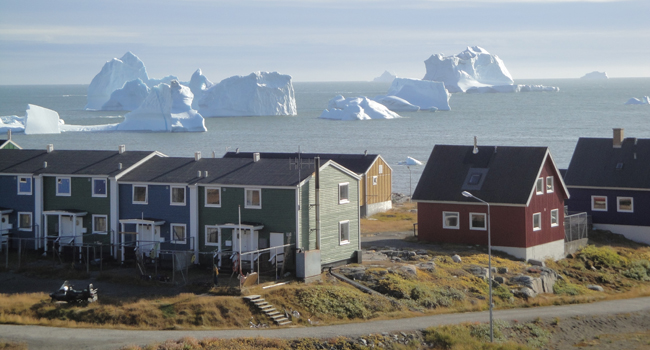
(114, 74)
(595, 75)
(198, 84)
(14, 123)
(511, 88)
(128, 98)
(428, 95)
(356, 108)
(387, 77)
(397, 104)
(410, 161)
(40, 120)
(645, 100)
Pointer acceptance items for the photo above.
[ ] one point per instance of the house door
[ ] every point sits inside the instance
(277, 239)
(248, 243)
(149, 239)
(5, 226)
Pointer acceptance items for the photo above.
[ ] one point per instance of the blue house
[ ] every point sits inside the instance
(610, 180)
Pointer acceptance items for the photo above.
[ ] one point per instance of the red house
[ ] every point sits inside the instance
(522, 185)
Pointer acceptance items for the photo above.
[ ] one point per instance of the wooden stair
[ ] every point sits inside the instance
(279, 318)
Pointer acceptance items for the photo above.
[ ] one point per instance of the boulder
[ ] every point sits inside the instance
(596, 288)
(456, 258)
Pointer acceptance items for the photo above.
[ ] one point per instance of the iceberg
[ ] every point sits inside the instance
(168, 107)
(410, 161)
(356, 108)
(13, 122)
(387, 77)
(595, 75)
(645, 100)
(114, 74)
(397, 104)
(511, 88)
(198, 84)
(258, 94)
(40, 120)
(426, 94)
(127, 98)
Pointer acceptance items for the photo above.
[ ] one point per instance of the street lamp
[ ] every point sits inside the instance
(469, 195)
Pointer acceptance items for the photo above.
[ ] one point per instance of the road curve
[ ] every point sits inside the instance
(38, 337)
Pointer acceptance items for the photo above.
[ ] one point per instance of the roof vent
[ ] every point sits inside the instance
(119, 166)
(198, 174)
(9, 134)
(44, 165)
(206, 173)
(237, 150)
(618, 137)
(256, 157)
(197, 156)
(122, 148)
(50, 148)
(619, 166)
(475, 151)
(365, 153)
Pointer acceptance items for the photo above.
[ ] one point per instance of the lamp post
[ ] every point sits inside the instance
(469, 195)
(409, 168)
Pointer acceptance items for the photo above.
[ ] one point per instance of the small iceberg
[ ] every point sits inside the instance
(645, 100)
(410, 161)
(356, 108)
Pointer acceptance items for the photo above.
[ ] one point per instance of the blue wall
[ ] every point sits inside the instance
(9, 198)
(581, 201)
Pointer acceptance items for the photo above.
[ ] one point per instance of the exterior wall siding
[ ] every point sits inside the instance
(543, 204)
(9, 198)
(581, 201)
(382, 191)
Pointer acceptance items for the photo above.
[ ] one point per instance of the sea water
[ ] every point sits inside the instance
(582, 108)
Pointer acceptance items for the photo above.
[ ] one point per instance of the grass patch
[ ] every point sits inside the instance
(399, 219)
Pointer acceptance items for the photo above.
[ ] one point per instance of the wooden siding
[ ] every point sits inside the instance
(382, 191)
(543, 204)
(19, 203)
(581, 201)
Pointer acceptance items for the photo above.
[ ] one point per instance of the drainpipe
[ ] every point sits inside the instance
(317, 187)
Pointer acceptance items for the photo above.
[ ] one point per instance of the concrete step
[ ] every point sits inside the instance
(277, 317)
(259, 300)
(284, 323)
(264, 303)
(252, 297)
(272, 312)
(265, 307)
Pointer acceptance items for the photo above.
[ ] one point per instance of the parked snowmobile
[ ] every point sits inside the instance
(68, 294)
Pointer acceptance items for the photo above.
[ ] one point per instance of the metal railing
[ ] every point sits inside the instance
(575, 226)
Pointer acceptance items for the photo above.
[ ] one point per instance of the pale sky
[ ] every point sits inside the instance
(68, 41)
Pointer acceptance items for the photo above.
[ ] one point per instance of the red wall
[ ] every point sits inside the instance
(544, 203)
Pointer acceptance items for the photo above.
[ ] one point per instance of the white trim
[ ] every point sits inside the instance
(341, 168)
(207, 243)
(171, 195)
(539, 186)
(31, 185)
(346, 200)
(31, 220)
(471, 223)
(252, 206)
(444, 222)
(105, 187)
(540, 221)
(380, 169)
(552, 189)
(618, 204)
(557, 217)
(599, 196)
(611, 188)
(56, 185)
(105, 224)
(137, 164)
(374, 180)
(146, 194)
(342, 241)
(171, 234)
(205, 195)
(556, 172)
(469, 203)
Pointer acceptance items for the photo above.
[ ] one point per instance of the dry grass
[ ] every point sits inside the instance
(399, 219)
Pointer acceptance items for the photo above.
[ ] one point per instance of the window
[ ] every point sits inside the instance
(25, 185)
(539, 189)
(24, 221)
(474, 179)
(177, 195)
(374, 180)
(344, 196)
(253, 198)
(344, 232)
(449, 219)
(555, 218)
(598, 203)
(537, 221)
(178, 233)
(549, 184)
(381, 168)
(139, 194)
(63, 186)
(477, 221)
(99, 224)
(99, 187)
(211, 235)
(212, 197)
(625, 204)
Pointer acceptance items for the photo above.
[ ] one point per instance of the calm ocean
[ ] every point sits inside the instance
(581, 109)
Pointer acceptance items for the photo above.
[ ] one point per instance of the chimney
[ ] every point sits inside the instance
(122, 148)
(475, 146)
(256, 157)
(9, 134)
(197, 156)
(50, 148)
(618, 137)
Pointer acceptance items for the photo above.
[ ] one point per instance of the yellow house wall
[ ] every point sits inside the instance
(381, 192)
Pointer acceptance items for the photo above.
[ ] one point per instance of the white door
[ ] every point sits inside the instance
(277, 239)
(65, 230)
(5, 226)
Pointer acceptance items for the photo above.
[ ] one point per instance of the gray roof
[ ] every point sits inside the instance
(221, 171)
(503, 174)
(67, 162)
(596, 163)
(358, 163)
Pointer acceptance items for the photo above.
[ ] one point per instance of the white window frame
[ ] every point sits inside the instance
(95, 231)
(207, 242)
(146, 194)
(252, 206)
(539, 220)
(171, 195)
(345, 223)
(618, 205)
(471, 223)
(344, 200)
(63, 194)
(593, 201)
(31, 185)
(31, 221)
(171, 234)
(550, 188)
(539, 186)
(381, 168)
(105, 187)
(211, 205)
(444, 220)
(555, 214)
(374, 181)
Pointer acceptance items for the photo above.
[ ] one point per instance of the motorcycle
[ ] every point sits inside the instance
(68, 294)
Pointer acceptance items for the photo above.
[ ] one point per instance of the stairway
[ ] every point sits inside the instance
(268, 309)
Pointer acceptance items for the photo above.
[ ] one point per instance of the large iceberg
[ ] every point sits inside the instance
(12, 122)
(40, 120)
(128, 98)
(386, 77)
(356, 108)
(257, 94)
(645, 100)
(114, 74)
(595, 75)
(397, 104)
(198, 85)
(426, 94)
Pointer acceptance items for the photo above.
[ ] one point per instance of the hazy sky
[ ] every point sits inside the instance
(68, 41)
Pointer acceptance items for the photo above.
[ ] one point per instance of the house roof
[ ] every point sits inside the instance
(4, 142)
(596, 163)
(358, 163)
(503, 174)
(221, 171)
(68, 162)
